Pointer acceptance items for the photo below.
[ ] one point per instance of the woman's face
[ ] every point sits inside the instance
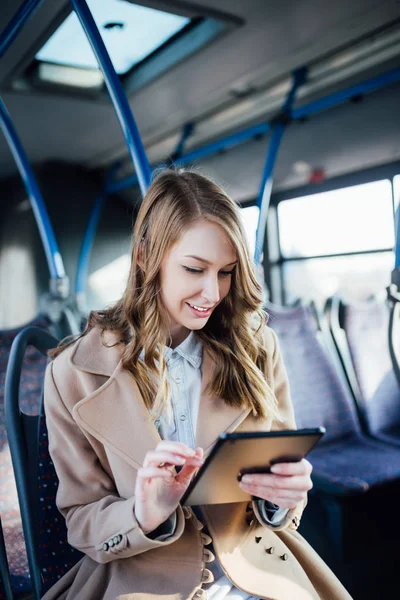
(195, 276)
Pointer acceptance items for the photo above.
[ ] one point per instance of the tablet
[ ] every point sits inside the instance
(235, 454)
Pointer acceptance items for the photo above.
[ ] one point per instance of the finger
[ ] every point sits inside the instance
(186, 474)
(176, 448)
(152, 472)
(278, 482)
(192, 465)
(282, 500)
(302, 467)
(156, 457)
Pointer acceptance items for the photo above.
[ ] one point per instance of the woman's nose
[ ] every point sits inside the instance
(211, 290)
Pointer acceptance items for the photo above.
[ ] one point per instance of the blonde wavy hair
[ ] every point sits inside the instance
(233, 335)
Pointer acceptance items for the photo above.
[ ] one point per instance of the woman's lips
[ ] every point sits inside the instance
(200, 313)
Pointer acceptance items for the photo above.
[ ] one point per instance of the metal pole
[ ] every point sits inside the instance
(207, 150)
(117, 94)
(87, 243)
(54, 260)
(225, 143)
(264, 198)
(17, 23)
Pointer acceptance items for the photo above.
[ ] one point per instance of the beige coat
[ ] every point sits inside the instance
(99, 433)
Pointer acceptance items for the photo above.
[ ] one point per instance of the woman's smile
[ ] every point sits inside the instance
(200, 311)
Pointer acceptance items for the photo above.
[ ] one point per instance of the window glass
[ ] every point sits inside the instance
(130, 33)
(354, 277)
(107, 284)
(396, 191)
(250, 220)
(351, 219)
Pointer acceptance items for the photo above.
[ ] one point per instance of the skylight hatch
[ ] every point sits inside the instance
(130, 34)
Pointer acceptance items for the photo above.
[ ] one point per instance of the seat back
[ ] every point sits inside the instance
(30, 394)
(366, 326)
(44, 528)
(318, 393)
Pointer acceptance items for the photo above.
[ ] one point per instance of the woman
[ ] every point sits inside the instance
(136, 403)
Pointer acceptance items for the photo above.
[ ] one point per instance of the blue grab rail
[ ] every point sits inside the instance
(17, 23)
(299, 77)
(84, 257)
(248, 133)
(117, 94)
(53, 256)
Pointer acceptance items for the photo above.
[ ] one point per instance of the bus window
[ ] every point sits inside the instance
(337, 242)
(107, 284)
(250, 221)
(396, 192)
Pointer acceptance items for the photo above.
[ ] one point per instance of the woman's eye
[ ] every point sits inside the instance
(225, 273)
(190, 270)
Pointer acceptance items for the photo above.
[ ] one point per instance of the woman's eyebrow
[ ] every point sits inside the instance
(207, 261)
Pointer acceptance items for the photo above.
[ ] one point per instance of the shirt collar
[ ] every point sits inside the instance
(190, 349)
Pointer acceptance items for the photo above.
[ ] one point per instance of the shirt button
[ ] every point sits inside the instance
(105, 546)
(178, 380)
(183, 417)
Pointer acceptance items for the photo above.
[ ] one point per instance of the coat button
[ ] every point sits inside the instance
(187, 512)
(119, 538)
(208, 556)
(284, 556)
(207, 576)
(111, 542)
(105, 546)
(116, 539)
(270, 550)
(206, 539)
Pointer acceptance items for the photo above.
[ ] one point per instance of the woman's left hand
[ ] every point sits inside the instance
(286, 486)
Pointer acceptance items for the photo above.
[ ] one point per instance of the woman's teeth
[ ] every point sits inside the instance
(200, 308)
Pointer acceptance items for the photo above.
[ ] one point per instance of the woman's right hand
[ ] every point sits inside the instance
(158, 490)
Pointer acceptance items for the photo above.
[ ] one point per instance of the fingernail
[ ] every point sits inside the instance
(247, 479)
(276, 469)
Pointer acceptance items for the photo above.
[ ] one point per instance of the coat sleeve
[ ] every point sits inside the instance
(100, 523)
(268, 514)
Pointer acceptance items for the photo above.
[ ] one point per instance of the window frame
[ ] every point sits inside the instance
(388, 171)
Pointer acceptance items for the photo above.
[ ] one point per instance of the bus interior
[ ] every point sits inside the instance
(293, 108)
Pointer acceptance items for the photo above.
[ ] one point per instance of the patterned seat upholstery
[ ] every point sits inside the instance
(345, 456)
(31, 389)
(366, 326)
(56, 556)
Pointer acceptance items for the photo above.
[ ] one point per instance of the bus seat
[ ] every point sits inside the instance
(360, 333)
(48, 551)
(353, 474)
(345, 455)
(6, 592)
(31, 381)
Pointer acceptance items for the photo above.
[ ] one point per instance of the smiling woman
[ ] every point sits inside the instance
(183, 356)
(190, 297)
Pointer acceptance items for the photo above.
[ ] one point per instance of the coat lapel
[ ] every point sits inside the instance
(116, 415)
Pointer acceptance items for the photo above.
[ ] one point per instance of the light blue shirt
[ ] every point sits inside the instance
(185, 379)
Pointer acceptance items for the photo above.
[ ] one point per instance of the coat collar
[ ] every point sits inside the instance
(115, 413)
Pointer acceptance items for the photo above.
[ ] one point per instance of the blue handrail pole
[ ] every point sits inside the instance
(87, 243)
(206, 150)
(299, 77)
(118, 97)
(17, 23)
(59, 280)
(244, 135)
(188, 130)
(365, 87)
